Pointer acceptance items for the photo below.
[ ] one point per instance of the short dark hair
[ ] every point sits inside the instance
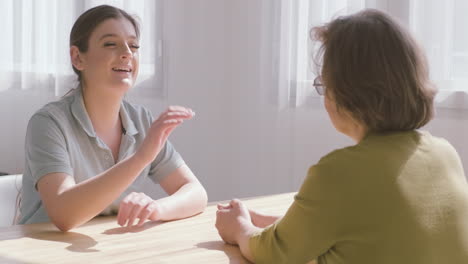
(374, 69)
(89, 20)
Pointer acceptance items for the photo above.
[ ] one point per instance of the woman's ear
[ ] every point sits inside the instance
(76, 58)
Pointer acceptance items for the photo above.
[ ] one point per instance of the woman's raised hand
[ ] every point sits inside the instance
(160, 131)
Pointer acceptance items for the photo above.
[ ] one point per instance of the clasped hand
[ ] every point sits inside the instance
(232, 221)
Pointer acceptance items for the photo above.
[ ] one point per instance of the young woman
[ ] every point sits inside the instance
(91, 152)
(399, 195)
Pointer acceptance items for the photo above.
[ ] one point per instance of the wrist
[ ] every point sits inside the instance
(255, 217)
(247, 230)
(140, 159)
(157, 213)
(244, 241)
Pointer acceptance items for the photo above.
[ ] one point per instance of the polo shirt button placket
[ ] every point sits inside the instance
(107, 157)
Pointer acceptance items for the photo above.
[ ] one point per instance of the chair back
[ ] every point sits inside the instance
(10, 186)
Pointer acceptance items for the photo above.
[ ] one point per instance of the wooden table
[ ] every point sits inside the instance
(191, 240)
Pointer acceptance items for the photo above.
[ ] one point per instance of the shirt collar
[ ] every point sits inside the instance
(79, 112)
(127, 122)
(81, 115)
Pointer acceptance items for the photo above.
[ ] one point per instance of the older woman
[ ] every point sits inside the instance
(399, 195)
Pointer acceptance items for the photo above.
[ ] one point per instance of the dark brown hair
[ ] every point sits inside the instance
(373, 69)
(89, 20)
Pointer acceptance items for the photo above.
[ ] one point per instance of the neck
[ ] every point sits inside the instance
(357, 132)
(103, 109)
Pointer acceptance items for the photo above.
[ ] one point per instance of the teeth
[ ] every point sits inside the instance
(121, 69)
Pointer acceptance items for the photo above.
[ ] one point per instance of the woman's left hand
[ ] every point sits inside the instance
(232, 221)
(137, 205)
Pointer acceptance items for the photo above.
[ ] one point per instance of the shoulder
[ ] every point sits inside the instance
(339, 159)
(331, 171)
(56, 112)
(347, 166)
(438, 149)
(435, 142)
(381, 153)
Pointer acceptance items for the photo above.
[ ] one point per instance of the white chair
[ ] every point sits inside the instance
(10, 185)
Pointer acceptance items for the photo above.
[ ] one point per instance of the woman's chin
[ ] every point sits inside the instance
(123, 84)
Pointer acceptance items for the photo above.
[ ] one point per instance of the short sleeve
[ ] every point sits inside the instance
(45, 148)
(167, 161)
(308, 229)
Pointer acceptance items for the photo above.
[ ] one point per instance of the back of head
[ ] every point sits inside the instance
(373, 69)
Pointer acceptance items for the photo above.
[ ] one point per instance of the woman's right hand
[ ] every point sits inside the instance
(160, 131)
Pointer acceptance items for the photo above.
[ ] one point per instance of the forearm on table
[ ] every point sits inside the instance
(190, 199)
(81, 202)
(243, 240)
(263, 220)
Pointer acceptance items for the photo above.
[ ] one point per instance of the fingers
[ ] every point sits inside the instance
(176, 114)
(160, 130)
(183, 113)
(172, 117)
(124, 210)
(234, 202)
(178, 108)
(223, 206)
(135, 205)
(146, 213)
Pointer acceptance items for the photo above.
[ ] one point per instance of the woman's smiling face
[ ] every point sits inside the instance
(112, 58)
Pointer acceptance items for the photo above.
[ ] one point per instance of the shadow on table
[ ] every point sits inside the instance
(132, 229)
(232, 252)
(78, 242)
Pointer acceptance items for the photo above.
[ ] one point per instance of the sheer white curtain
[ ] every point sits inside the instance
(297, 17)
(35, 44)
(439, 26)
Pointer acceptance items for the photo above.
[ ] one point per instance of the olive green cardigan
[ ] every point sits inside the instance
(392, 198)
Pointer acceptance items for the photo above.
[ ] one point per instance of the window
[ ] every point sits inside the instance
(296, 48)
(35, 43)
(439, 26)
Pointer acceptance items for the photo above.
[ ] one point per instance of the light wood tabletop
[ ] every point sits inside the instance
(191, 240)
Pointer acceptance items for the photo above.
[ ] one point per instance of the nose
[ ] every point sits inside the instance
(126, 52)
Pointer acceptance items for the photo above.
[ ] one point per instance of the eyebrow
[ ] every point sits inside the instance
(114, 35)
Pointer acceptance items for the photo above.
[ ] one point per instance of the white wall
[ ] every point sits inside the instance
(240, 143)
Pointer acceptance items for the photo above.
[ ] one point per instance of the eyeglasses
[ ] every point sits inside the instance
(319, 87)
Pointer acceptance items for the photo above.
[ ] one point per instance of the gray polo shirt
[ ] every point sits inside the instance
(60, 138)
